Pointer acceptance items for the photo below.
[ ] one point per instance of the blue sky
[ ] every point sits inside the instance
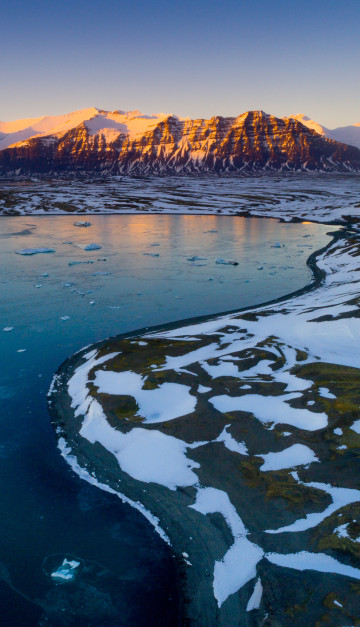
(193, 58)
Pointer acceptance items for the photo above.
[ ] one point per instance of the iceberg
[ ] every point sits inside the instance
(65, 572)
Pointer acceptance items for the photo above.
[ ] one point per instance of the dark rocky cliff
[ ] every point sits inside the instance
(253, 141)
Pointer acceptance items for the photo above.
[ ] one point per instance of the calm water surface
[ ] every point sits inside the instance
(48, 514)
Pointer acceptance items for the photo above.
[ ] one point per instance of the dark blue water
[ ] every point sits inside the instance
(47, 512)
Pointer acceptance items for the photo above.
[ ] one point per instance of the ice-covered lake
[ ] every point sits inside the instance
(150, 269)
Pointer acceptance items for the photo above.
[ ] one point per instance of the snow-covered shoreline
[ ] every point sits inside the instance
(270, 394)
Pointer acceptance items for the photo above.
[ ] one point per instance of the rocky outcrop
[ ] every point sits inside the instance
(172, 146)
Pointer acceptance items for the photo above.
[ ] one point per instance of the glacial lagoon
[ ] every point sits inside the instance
(150, 270)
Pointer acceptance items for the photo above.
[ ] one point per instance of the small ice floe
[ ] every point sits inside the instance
(7, 329)
(196, 258)
(65, 318)
(90, 246)
(84, 224)
(211, 231)
(226, 262)
(44, 274)
(76, 263)
(34, 251)
(277, 245)
(335, 602)
(37, 285)
(65, 572)
(21, 350)
(155, 244)
(66, 284)
(260, 268)
(324, 392)
(151, 254)
(101, 274)
(91, 302)
(338, 431)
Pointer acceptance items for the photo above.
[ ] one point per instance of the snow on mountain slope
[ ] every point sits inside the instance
(129, 123)
(344, 134)
(21, 130)
(304, 119)
(107, 123)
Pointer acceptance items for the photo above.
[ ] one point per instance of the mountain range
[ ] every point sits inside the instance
(128, 142)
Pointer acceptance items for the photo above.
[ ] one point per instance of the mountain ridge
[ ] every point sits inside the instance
(121, 142)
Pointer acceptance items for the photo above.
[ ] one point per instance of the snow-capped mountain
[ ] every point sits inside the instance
(128, 142)
(345, 134)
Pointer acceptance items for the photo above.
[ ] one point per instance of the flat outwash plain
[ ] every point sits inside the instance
(238, 436)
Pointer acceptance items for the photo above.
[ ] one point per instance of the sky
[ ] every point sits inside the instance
(194, 58)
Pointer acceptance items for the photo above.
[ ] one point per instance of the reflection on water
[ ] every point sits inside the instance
(49, 514)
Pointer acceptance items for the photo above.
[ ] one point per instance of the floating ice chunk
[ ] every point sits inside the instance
(65, 572)
(226, 262)
(7, 329)
(277, 245)
(155, 244)
(151, 254)
(295, 455)
(356, 426)
(255, 599)
(101, 273)
(44, 274)
(211, 231)
(21, 350)
(91, 302)
(37, 285)
(196, 258)
(336, 602)
(80, 223)
(76, 263)
(338, 431)
(65, 318)
(325, 393)
(313, 561)
(34, 251)
(91, 247)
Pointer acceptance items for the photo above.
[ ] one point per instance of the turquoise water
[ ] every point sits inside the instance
(48, 514)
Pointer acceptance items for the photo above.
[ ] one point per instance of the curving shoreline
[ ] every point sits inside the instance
(210, 532)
